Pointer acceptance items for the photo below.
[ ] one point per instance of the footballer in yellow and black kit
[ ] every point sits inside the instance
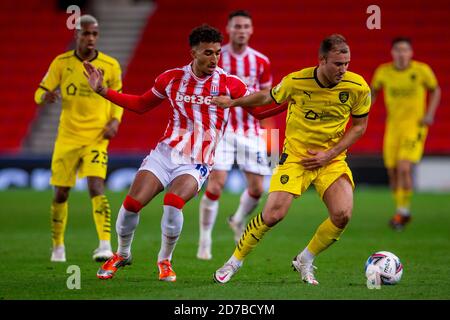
(80, 145)
(316, 120)
(405, 93)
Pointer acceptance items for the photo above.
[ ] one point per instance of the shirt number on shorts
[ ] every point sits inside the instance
(259, 159)
(104, 157)
(202, 169)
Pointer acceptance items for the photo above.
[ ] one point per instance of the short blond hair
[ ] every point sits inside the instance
(85, 19)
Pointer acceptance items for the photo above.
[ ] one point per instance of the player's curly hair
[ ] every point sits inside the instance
(204, 33)
(331, 43)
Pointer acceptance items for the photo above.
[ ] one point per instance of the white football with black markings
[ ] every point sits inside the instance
(387, 264)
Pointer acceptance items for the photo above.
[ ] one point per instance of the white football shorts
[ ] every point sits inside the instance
(161, 163)
(249, 153)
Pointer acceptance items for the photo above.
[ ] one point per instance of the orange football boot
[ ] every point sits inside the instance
(398, 221)
(110, 267)
(166, 272)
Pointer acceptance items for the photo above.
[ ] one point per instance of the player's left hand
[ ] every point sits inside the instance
(318, 160)
(111, 129)
(222, 101)
(94, 77)
(427, 120)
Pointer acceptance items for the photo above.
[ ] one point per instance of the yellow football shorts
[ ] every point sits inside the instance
(293, 178)
(404, 145)
(69, 160)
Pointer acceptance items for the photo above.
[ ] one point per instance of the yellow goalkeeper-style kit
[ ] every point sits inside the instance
(316, 120)
(80, 145)
(405, 100)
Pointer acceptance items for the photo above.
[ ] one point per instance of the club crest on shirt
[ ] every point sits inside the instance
(71, 89)
(284, 179)
(343, 96)
(214, 90)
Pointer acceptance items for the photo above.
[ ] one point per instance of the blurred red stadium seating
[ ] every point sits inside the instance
(33, 34)
(288, 32)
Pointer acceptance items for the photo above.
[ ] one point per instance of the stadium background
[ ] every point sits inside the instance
(148, 37)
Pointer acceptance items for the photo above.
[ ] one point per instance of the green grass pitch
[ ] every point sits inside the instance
(27, 273)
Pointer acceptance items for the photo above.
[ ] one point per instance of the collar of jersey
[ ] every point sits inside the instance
(402, 70)
(197, 78)
(237, 55)
(319, 83)
(79, 58)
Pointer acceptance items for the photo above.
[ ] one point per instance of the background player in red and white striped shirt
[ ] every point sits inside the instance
(243, 141)
(183, 158)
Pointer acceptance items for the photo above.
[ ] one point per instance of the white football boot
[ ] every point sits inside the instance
(306, 270)
(58, 254)
(102, 254)
(224, 274)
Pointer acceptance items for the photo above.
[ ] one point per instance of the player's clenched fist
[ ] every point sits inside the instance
(222, 101)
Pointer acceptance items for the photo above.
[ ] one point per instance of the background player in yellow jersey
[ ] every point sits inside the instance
(87, 123)
(321, 101)
(405, 83)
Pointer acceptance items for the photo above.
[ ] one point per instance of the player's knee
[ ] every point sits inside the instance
(214, 189)
(212, 196)
(341, 218)
(215, 186)
(272, 217)
(96, 190)
(404, 168)
(216, 182)
(173, 200)
(132, 205)
(404, 171)
(96, 186)
(61, 194)
(255, 191)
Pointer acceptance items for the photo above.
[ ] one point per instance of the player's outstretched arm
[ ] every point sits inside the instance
(139, 104)
(259, 98)
(267, 112)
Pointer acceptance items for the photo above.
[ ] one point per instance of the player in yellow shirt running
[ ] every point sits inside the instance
(87, 123)
(405, 83)
(321, 101)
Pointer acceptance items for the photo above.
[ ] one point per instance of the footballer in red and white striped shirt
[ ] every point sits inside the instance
(243, 142)
(195, 125)
(253, 68)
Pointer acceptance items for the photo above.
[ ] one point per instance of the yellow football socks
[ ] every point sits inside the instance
(58, 222)
(403, 199)
(254, 232)
(102, 217)
(326, 234)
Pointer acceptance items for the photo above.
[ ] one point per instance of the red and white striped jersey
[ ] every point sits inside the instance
(196, 126)
(253, 68)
